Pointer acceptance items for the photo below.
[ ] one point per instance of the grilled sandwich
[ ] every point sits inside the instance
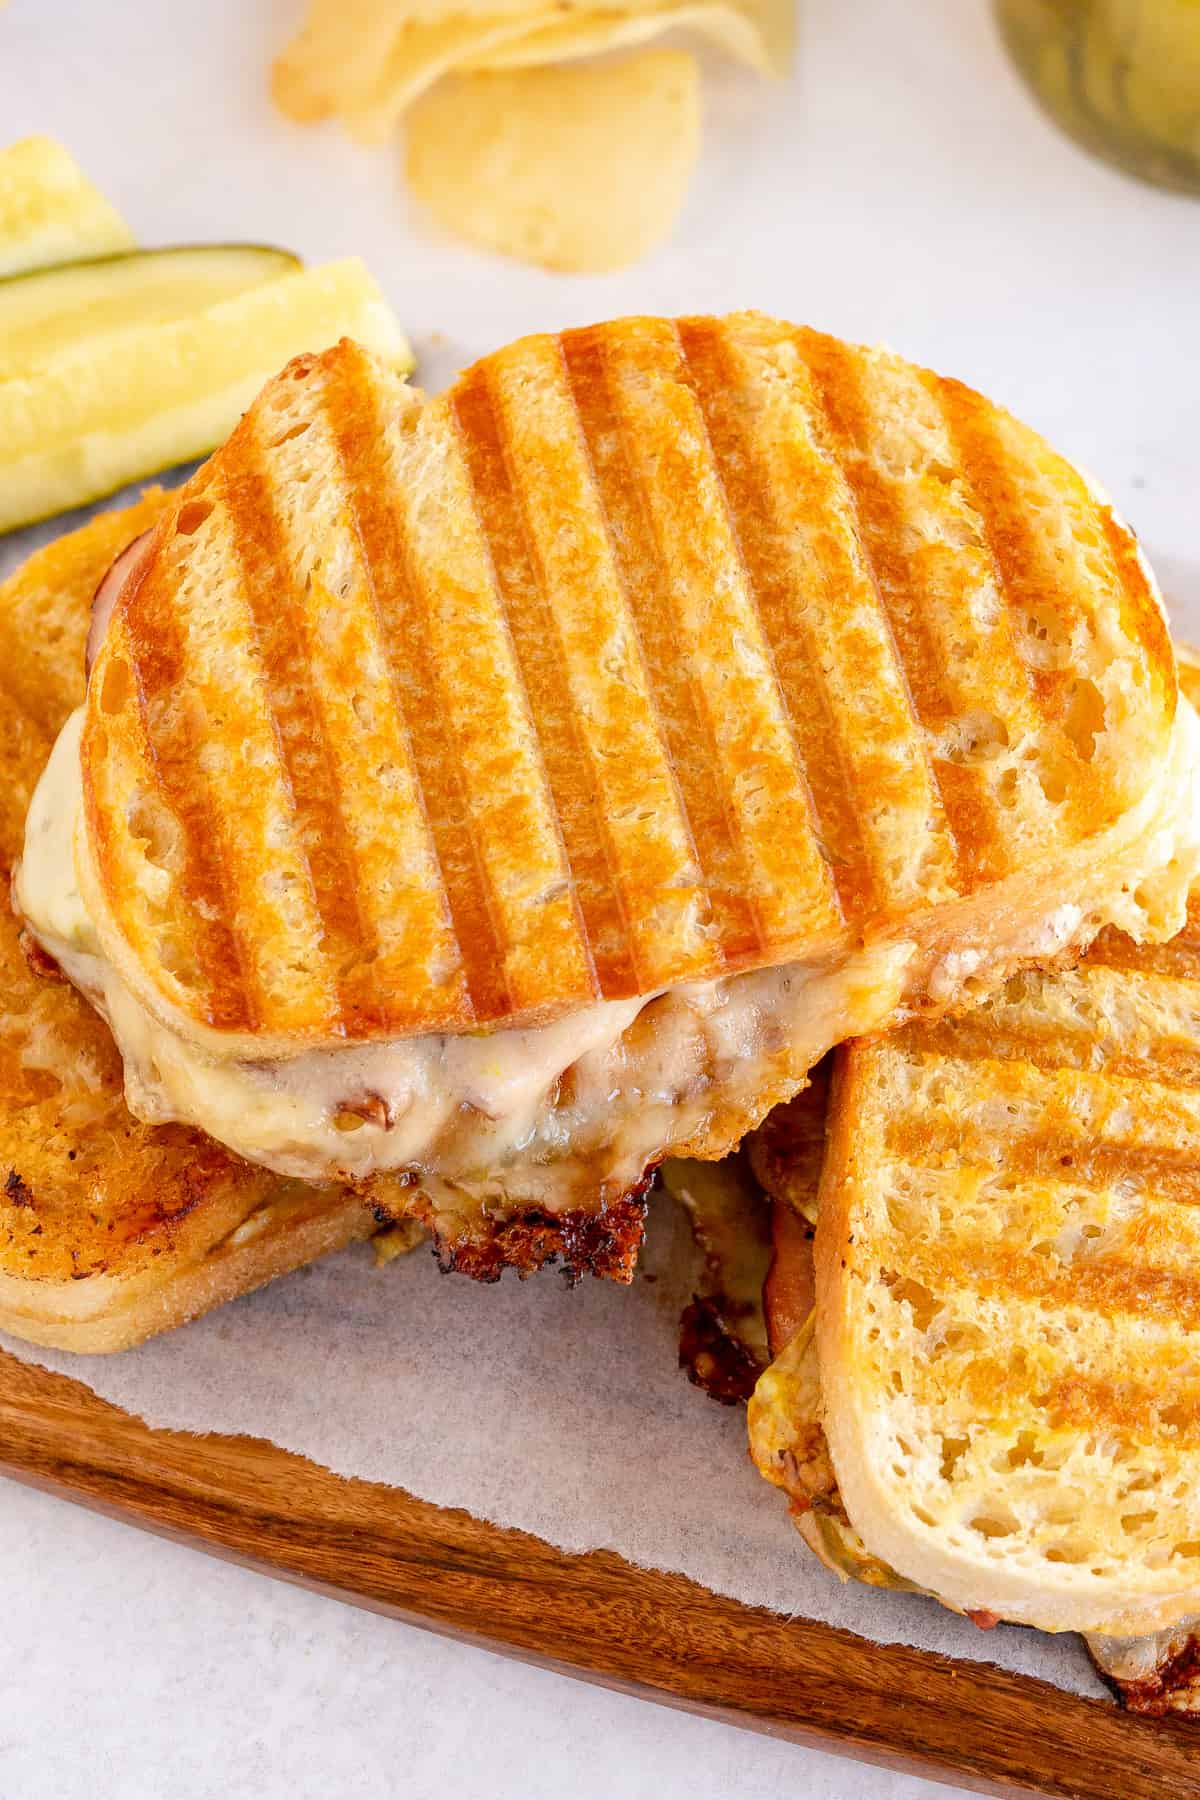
(478, 799)
(110, 1229)
(992, 1400)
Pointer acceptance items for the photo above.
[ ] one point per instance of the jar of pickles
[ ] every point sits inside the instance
(1121, 76)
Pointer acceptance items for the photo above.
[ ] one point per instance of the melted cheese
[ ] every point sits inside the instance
(456, 1107)
(570, 1112)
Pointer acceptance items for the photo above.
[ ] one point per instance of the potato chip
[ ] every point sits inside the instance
(776, 22)
(334, 60)
(369, 59)
(421, 55)
(576, 167)
(590, 34)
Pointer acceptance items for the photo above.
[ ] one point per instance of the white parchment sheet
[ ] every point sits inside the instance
(559, 1411)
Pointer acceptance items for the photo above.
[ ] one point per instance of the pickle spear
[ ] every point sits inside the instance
(49, 210)
(49, 310)
(111, 409)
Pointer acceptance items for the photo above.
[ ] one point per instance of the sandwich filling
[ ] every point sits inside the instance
(573, 1112)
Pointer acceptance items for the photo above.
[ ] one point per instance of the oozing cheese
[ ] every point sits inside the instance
(448, 1105)
(573, 1111)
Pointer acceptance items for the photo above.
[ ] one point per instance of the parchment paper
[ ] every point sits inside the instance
(562, 1412)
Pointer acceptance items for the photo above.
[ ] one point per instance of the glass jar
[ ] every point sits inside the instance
(1121, 76)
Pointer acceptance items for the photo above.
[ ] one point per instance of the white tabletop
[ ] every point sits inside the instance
(901, 189)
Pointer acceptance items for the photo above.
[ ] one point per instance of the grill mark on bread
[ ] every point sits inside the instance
(878, 752)
(522, 595)
(1142, 614)
(347, 944)
(709, 808)
(1178, 960)
(1046, 1152)
(1054, 1048)
(1082, 1402)
(353, 414)
(982, 465)
(1096, 1291)
(721, 630)
(1089, 1018)
(1027, 578)
(771, 579)
(230, 999)
(1160, 1415)
(479, 690)
(935, 686)
(687, 428)
(354, 681)
(650, 853)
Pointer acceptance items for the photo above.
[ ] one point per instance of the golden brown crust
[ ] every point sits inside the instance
(112, 1230)
(634, 659)
(45, 610)
(1007, 1241)
(109, 1229)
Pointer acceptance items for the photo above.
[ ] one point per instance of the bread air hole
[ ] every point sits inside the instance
(1047, 633)
(191, 516)
(994, 1525)
(176, 958)
(1008, 788)
(154, 827)
(953, 1451)
(976, 737)
(1024, 1453)
(920, 1299)
(1084, 716)
(1052, 779)
(293, 431)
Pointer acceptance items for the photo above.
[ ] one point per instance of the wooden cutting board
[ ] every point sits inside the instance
(655, 1635)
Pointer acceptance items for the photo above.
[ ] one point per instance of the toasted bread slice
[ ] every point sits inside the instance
(1007, 1324)
(110, 1230)
(785, 1413)
(646, 655)
(996, 1406)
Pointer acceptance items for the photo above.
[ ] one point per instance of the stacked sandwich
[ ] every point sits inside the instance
(473, 802)
(984, 1385)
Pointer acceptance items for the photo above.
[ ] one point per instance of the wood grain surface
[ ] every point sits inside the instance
(658, 1636)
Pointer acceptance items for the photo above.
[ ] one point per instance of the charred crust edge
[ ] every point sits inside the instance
(17, 1189)
(604, 1243)
(1151, 1696)
(715, 1360)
